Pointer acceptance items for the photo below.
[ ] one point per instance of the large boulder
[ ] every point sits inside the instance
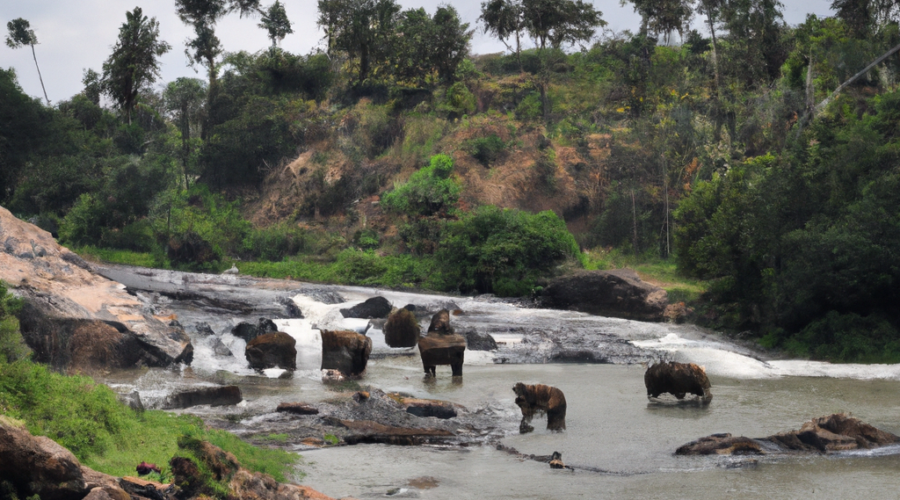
(37, 465)
(678, 379)
(73, 318)
(442, 346)
(402, 329)
(376, 307)
(272, 350)
(476, 341)
(213, 396)
(345, 351)
(838, 432)
(619, 293)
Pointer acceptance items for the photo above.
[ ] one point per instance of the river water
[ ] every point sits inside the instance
(619, 444)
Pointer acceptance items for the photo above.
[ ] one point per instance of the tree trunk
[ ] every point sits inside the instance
(810, 91)
(41, 78)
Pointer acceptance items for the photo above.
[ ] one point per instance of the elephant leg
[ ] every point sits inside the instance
(556, 421)
(430, 370)
(457, 369)
(524, 426)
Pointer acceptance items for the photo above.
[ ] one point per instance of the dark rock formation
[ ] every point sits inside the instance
(441, 346)
(297, 409)
(203, 328)
(479, 341)
(678, 379)
(376, 307)
(219, 347)
(619, 293)
(539, 399)
(190, 248)
(425, 407)
(214, 396)
(345, 351)
(367, 431)
(272, 350)
(402, 329)
(37, 465)
(249, 331)
(74, 319)
(838, 432)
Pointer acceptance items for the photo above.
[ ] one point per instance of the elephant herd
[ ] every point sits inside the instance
(348, 352)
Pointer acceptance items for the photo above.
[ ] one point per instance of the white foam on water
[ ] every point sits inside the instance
(309, 341)
(722, 359)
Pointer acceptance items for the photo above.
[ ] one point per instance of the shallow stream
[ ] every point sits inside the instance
(620, 445)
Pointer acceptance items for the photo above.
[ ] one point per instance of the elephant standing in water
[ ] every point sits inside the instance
(537, 399)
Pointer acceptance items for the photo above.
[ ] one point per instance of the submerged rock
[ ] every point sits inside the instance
(272, 350)
(476, 341)
(619, 293)
(213, 396)
(402, 329)
(838, 432)
(74, 319)
(441, 346)
(219, 347)
(297, 409)
(345, 351)
(376, 307)
(678, 379)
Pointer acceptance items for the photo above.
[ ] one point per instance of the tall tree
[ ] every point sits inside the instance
(362, 28)
(450, 44)
(134, 63)
(504, 19)
(184, 99)
(276, 22)
(755, 29)
(662, 17)
(21, 34)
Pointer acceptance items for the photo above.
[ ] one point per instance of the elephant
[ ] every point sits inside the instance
(678, 379)
(537, 399)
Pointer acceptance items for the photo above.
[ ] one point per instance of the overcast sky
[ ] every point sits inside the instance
(75, 35)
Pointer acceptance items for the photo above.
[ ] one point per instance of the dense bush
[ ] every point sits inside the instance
(12, 346)
(487, 149)
(503, 251)
(429, 191)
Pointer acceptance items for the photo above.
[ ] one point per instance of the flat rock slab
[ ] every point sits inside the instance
(619, 293)
(213, 396)
(838, 432)
(297, 409)
(74, 319)
(425, 407)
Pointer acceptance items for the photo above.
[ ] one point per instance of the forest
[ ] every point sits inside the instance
(758, 158)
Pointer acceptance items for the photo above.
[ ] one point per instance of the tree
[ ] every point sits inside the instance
(755, 31)
(450, 44)
(134, 62)
(184, 97)
(276, 22)
(663, 16)
(361, 28)
(93, 85)
(21, 34)
(504, 19)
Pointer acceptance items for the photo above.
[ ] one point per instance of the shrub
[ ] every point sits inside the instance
(503, 251)
(459, 101)
(429, 191)
(486, 150)
(12, 346)
(275, 242)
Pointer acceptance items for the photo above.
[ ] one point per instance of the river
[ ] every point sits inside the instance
(619, 444)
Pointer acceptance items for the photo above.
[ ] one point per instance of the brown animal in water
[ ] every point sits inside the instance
(537, 399)
(442, 346)
(678, 379)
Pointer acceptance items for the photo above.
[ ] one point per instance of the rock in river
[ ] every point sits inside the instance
(213, 396)
(376, 307)
(618, 293)
(272, 350)
(74, 319)
(838, 432)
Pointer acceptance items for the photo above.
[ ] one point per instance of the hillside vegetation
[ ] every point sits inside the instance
(391, 162)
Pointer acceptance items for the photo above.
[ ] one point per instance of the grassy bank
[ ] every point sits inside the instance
(104, 434)
(652, 269)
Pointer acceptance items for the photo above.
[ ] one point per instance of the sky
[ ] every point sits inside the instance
(76, 35)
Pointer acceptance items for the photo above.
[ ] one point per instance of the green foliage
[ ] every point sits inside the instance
(12, 345)
(503, 251)
(105, 435)
(331, 439)
(429, 191)
(487, 149)
(459, 101)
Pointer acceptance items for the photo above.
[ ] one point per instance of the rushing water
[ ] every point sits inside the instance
(620, 445)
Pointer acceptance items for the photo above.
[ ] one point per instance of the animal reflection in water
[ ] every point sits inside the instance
(538, 399)
(678, 379)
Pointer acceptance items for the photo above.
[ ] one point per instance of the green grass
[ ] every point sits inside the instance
(127, 257)
(108, 436)
(657, 271)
